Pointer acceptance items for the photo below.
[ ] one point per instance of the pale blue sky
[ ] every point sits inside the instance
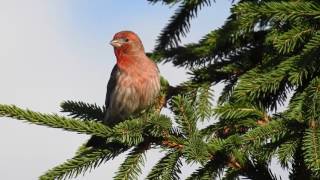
(55, 50)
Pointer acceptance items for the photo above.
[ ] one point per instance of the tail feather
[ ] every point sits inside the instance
(96, 142)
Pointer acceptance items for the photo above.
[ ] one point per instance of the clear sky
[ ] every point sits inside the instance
(55, 50)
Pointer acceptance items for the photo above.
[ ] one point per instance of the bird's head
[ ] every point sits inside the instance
(127, 42)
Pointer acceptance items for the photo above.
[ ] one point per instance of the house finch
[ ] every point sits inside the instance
(134, 83)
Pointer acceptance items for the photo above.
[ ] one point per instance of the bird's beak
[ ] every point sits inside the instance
(115, 43)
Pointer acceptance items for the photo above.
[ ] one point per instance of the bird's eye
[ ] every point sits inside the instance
(125, 39)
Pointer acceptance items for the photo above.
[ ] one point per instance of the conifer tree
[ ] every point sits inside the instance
(266, 54)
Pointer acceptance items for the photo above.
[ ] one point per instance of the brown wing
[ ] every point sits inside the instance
(96, 141)
(111, 84)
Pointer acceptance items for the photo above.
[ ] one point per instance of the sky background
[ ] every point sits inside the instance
(56, 50)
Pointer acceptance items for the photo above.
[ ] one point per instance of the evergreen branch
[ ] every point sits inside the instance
(185, 88)
(311, 104)
(196, 150)
(204, 103)
(267, 86)
(272, 131)
(167, 143)
(250, 13)
(293, 39)
(134, 131)
(189, 55)
(286, 152)
(185, 116)
(246, 18)
(179, 23)
(308, 65)
(131, 167)
(55, 121)
(276, 147)
(231, 173)
(172, 139)
(167, 2)
(257, 170)
(227, 91)
(129, 132)
(209, 131)
(167, 168)
(87, 160)
(290, 10)
(211, 170)
(314, 43)
(305, 69)
(218, 144)
(82, 149)
(311, 148)
(159, 124)
(236, 111)
(218, 72)
(299, 168)
(294, 110)
(83, 110)
(216, 46)
(232, 59)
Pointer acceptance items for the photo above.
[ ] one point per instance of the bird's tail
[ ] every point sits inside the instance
(110, 121)
(96, 142)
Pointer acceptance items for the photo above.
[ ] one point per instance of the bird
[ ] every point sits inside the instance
(134, 83)
(133, 86)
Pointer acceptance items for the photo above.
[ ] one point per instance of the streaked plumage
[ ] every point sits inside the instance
(134, 82)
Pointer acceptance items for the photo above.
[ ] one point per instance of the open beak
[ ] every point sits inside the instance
(115, 43)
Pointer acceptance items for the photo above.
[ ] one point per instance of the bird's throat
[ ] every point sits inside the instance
(127, 63)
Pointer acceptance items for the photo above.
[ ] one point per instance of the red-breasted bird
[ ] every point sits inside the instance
(134, 83)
